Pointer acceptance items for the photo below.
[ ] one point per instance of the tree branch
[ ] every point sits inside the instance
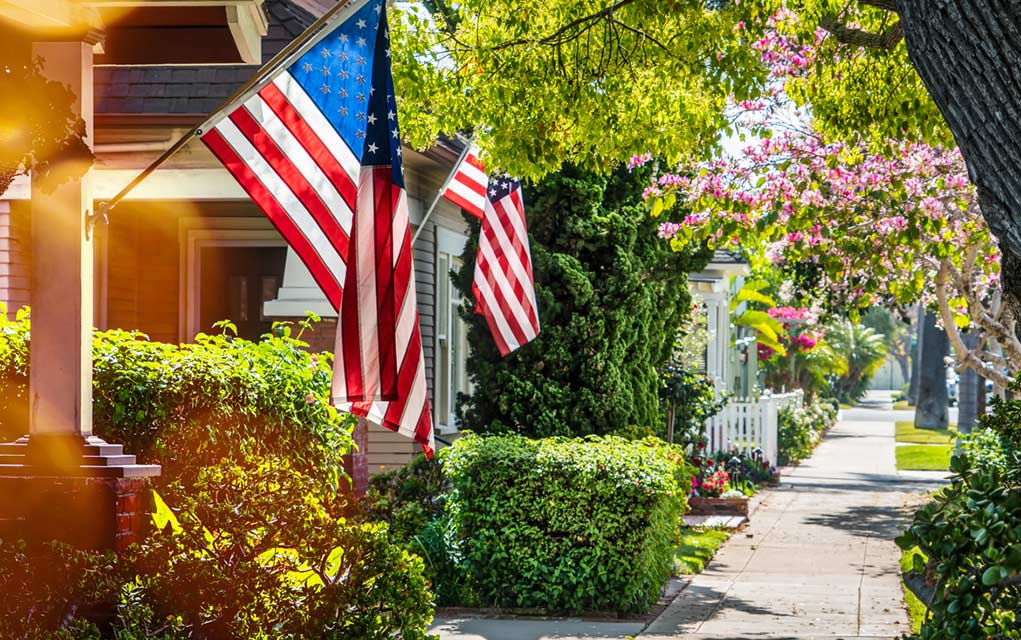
(561, 35)
(889, 5)
(862, 38)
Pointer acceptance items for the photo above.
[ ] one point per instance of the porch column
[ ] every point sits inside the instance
(62, 282)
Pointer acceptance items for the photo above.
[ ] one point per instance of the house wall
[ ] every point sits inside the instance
(15, 244)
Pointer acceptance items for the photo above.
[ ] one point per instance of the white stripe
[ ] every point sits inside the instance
(309, 112)
(365, 285)
(283, 194)
(497, 314)
(504, 285)
(303, 162)
(402, 234)
(517, 218)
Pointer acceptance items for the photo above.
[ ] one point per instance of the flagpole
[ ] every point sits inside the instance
(446, 183)
(305, 40)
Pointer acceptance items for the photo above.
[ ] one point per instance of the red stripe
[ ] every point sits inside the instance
(385, 196)
(471, 183)
(308, 138)
(464, 204)
(349, 322)
(295, 180)
(277, 215)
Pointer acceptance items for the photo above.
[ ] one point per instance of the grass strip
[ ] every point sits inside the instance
(906, 432)
(696, 548)
(924, 457)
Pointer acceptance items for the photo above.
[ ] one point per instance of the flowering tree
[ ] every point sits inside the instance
(854, 228)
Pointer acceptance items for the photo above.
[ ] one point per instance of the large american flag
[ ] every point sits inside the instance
(504, 286)
(317, 147)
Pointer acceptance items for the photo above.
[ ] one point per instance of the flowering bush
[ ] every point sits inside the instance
(801, 428)
(714, 485)
(729, 470)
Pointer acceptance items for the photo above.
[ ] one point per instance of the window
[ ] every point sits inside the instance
(451, 332)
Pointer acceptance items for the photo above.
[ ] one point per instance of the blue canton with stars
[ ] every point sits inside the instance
(347, 75)
(501, 186)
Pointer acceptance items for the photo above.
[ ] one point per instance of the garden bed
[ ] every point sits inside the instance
(699, 506)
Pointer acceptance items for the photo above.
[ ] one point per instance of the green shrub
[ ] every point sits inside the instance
(565, 524)
(251, 551)
(970, 537)
(801, 427)
(187, 406)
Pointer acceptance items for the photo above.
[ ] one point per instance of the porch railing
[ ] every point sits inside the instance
(746, 425)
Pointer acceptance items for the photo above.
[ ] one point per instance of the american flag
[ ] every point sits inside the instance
(317, 147)
(467, 185)
(504, 287)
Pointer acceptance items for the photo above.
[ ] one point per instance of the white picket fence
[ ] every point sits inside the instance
(746, 425)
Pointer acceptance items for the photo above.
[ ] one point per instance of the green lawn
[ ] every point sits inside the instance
(924, 457)
(916, 610)
(902, 405)
(906, 432)
(696, 548)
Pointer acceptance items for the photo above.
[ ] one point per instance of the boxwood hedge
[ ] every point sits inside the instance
(565, 524)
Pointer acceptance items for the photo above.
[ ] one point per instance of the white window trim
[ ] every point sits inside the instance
(452, 243)
(197, 234)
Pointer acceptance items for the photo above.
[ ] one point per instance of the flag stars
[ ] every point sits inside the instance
(325, 53)
(373, 147)
(360, 135)
(360, 79)
(343, 75)
(342, 111)
(378, 9)
(361, 23)
(361, 42)
(343, 93)
(361, 97)
(307, 67)
(325, 89)
(361, 59)
(372, 118)
(325, 71)
(360, 116)
(390, 115)
(396, 134)
(344, 56)
(343, 37)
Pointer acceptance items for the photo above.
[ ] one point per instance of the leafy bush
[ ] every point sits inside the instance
(690, 400)
(801, 427)
(611, 295)
(565, 524)
(862, 352)
(187, 406)
(970, 538)
(252, 550)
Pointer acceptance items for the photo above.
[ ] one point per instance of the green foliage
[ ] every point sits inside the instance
(924, 457)
(187, 406)
(862, 352)
(690, 399)
(969, 535)
(611, 296)
(548, 82)
(42, 131)
(801, 428)
(565, 524)
(254, 550)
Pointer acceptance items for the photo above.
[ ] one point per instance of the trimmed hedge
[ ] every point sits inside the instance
(801, 429)
(565, 524)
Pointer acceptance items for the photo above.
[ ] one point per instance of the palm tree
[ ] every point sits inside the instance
(862, 352)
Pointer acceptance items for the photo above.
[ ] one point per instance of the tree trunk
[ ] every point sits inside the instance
(968, 54)
(931, 411)
(916, 355)
(967, 392)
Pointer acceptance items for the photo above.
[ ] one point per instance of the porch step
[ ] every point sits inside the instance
(715, 522)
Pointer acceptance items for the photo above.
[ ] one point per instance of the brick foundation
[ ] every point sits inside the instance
(100, 501)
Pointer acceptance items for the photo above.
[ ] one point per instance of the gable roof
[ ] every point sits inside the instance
(192, 90)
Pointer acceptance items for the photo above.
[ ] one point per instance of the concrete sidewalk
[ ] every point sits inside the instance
(817, 560)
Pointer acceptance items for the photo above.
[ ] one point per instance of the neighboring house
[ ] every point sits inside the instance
(724, 361)
(188, 247)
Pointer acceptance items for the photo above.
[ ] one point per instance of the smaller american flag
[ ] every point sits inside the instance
(467, 185)
(504, 287)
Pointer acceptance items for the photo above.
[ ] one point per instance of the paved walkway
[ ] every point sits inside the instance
(817, 560)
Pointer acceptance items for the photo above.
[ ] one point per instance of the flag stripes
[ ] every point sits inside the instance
(504, 285)
(467, 185)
